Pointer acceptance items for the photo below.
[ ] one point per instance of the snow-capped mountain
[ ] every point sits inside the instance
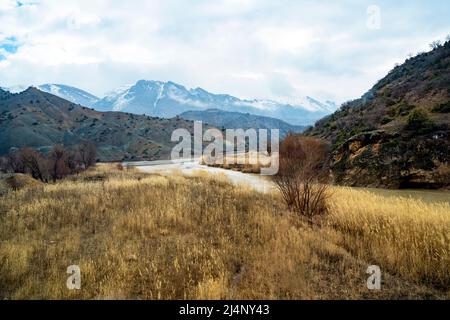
(168, 99)
(15, 89)
(71, 94)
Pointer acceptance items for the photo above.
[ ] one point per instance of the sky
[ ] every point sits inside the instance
(267, 49)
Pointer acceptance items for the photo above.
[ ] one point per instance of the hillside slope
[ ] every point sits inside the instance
(37, 119)
(237, 120)
(398, 134)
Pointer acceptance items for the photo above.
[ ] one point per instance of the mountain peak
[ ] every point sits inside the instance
(169, 99)
(33, 90)
(69, 93)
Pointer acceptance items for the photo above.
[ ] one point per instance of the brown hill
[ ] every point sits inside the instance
(39, 120)
(398, 134)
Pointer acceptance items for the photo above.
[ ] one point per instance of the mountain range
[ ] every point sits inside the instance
(226, 119)
(169, 99)
(37, 119)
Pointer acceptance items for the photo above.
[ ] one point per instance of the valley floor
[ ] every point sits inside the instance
(139, 235)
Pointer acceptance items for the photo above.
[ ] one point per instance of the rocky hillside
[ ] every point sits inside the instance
(398, 134)
(37, 119)
(237, 120)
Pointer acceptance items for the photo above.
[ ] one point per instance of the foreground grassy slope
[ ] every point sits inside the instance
(138, 236)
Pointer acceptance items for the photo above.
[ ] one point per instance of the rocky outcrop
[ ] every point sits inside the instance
(382, 159)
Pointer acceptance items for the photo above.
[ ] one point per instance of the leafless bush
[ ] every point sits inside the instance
(87, 152)
(14, 162)
(3, 164)
(58, 163)
(302, 178)
(34, 163)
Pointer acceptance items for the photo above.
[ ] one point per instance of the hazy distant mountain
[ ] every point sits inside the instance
(168, 99)
(71, 94)
(234, 120)
(37, 119)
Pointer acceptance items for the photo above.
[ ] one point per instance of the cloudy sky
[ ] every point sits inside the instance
(248, 48)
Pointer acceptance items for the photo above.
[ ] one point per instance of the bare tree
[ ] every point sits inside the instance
(302, 179)
(3, 164)
(73, 162)
(34, 163)
(87, 152)
(15, 162)
(58, 162)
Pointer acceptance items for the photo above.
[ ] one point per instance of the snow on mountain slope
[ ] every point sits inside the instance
(168, 99)
(15, 89)
(71, 94)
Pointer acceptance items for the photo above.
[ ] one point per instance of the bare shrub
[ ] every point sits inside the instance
(302, 179)
(3, 164)
(87, 152)
(34, 163)
(15, 162)
(58, 163)
(73, 161)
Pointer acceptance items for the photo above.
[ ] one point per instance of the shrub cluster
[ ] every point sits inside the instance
(55, 165)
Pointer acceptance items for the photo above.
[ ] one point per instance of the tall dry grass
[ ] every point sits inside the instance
(408, 236)
(138, 236)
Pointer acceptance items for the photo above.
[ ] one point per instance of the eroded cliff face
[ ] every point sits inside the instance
(382, 159)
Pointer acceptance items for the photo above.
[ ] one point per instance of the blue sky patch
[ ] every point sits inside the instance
(10, 45)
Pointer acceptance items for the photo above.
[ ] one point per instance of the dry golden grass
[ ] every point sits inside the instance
(138, 236)
(242, 162)
(408, 236)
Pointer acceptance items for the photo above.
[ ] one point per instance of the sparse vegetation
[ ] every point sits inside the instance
(138, 236)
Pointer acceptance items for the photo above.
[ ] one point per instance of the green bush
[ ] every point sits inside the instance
(419, 121)
(400, 109)
(386, 120)
(442, 108)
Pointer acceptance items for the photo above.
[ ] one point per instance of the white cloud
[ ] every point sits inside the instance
(7, 5)
(265, 49)
(290, 39)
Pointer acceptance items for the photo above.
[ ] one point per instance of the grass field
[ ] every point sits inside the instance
(140, 236)
(430, 196)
